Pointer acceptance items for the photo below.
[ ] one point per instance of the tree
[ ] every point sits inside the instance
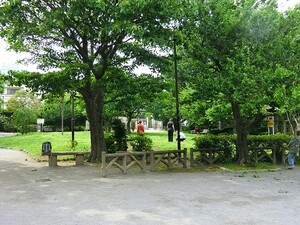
(22, 118)
(1, 88)
(52, 107)
(23, 99)
(231, 58)
(135, 96)
(85, 41)
(287, 95)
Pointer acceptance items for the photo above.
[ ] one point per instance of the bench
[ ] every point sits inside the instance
(52, 156)
(47, 129)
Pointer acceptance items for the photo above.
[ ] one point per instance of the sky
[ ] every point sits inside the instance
(7, 57)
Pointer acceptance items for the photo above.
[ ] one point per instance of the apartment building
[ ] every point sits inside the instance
(9, 91)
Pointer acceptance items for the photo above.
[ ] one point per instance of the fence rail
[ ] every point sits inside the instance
(128, 159)
(168, 158)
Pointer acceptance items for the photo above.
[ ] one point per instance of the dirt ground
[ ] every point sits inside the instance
(34, 194)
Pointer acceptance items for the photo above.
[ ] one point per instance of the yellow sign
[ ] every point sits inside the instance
(270, 122)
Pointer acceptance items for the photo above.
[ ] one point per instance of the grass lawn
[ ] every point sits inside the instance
(32, 142)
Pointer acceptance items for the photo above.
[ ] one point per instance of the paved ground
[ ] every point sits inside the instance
(34, 194)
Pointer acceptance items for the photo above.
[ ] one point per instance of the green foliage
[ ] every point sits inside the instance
(141, 143)
(6, 124)
(224, 142)
(228, 143)
(52, 107)
(276, 140)
(22, 99)
(119, 135)
(2, 77)
(96, 39)
(133, 125)
(23, 118)
(110, 142)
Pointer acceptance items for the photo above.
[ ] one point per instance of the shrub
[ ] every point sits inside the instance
(141, 143)
(110, 142)
(120, 134)
(23, 118)
(228, 143)
(224, 142)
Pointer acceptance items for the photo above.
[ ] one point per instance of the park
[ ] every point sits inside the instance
(89, 136)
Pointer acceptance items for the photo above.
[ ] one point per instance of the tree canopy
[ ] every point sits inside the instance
(86, 42)
(237, 59)
(232, 57)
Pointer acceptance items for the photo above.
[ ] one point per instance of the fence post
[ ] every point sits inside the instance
(144, 161)
(125, 164)
(192, 157)
(152, 161)
(104, 164)
(185, 157)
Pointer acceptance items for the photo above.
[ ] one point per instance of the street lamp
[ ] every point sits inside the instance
(176, 96)
(73, 121)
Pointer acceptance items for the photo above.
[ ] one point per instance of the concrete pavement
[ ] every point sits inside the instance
(34, 194)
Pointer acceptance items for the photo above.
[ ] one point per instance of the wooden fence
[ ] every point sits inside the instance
(128, 159)
(168, 158)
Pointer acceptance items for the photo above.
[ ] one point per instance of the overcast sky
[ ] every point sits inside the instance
(11, 57)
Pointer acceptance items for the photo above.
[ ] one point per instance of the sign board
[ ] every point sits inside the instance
(270, 121)
(40, 121)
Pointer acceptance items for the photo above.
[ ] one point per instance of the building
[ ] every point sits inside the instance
(8, 90)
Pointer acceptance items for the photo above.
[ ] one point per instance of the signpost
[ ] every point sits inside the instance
(271, 124)
(40, 123)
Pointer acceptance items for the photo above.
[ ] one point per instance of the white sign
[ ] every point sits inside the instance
(40, 121)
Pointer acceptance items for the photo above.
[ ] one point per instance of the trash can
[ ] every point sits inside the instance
(46, 147)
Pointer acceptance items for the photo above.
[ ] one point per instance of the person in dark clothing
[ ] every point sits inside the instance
(294, 147)
(171, 128)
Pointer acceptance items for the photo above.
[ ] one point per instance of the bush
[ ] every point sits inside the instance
(141, 143)
(23, 118)
(228, 143)
(224, 142)
(6, 123)
(110, 142)
(116, 141)
(120, 134)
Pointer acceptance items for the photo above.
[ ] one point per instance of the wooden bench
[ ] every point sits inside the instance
(47, 129)
(259, 153)
(209, 155)
(52, 157)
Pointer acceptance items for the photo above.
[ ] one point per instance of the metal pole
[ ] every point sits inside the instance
(72, 121)
(62, 114)
(176, 95)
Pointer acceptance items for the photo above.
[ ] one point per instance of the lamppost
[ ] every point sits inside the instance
(72, 121)
(176, 96)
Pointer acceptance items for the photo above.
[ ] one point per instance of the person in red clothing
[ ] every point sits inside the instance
(140, 129)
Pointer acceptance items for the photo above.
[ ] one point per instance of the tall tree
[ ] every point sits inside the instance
(231, 55)
(287, 95)
(86, 41)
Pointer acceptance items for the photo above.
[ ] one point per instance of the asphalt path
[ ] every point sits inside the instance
(34, 194)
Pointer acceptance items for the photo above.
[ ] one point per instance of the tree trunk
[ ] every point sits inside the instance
(128, 125)
(242, 143)
(94, 107)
